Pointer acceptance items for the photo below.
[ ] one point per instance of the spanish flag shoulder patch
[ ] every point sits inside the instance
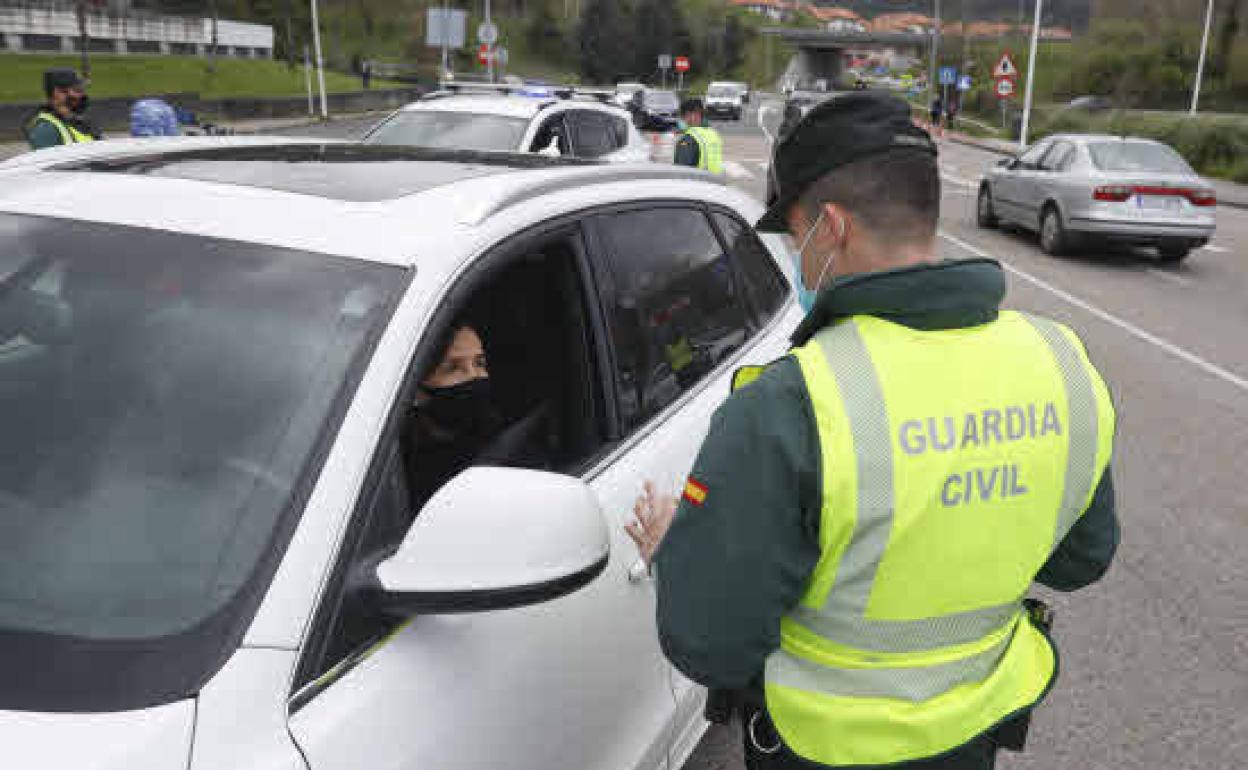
(695, 491)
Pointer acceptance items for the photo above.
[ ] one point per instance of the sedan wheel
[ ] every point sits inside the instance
(1053, 237)
(985, 217)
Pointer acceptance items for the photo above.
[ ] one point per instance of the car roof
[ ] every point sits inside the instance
(1086, 138)
(312, 196)
(491, 104)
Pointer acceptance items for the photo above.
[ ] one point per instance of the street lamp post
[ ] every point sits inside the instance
(489, 61)
(1031, 75)
(1204, 51)
(320, 61)
(931, 75)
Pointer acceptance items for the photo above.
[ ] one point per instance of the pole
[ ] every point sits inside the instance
(931, 76)
(320, 61)
(1031, 76)
(307, 77)
(1204, 50)
(489, 61)
(446, 40)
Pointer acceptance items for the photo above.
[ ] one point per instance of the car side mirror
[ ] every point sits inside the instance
(551, 150)
(493, 539)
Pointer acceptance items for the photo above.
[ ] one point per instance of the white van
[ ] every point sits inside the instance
(726, 99)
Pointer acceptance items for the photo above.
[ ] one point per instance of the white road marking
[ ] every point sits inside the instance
(1172, 277)
(1109, 318)
(957, 180)
(1216, 249)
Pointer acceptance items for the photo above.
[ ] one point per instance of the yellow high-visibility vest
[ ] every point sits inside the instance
(954, 463)
(710, 149)
(69, 134)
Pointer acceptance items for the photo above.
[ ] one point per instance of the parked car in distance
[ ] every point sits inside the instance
(656, 110)
(624, 93)
(1080, 190)
(725, 100)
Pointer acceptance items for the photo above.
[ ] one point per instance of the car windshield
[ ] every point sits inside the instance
(1137, 156)
(722, 91)
(164, 399)
(452, 130)
(662, 100)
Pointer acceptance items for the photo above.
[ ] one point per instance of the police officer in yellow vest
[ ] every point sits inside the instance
(699, 146)
(852, 554)
(60, 120)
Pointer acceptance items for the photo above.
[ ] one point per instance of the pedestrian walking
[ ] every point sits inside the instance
(936, 113)
(699, 146)
(848, 566)
(60, 119)
(366, 73)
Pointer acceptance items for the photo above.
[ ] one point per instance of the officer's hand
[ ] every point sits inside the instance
(654, 515)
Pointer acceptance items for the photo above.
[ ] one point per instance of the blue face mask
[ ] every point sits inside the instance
(806, 297)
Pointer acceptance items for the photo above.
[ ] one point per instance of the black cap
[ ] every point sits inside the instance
(839, 131)
(692, 104)
(60, 78)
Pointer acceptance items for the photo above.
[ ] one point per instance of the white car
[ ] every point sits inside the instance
(577, 127)
(209, 352)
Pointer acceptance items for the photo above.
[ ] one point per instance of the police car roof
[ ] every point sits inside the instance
(524, 107)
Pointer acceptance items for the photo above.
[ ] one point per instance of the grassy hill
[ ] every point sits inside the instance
(21, 77)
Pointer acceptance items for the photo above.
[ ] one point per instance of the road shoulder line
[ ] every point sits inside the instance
(1169, 347)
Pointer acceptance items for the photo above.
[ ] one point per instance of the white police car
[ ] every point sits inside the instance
(211, 555)
(501, 122)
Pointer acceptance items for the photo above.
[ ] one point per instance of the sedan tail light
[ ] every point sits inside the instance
(1113, 193)
(1118, 193)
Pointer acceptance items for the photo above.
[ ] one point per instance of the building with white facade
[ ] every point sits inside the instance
(52, 27)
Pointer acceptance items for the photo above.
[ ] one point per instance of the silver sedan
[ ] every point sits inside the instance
(1080, 190)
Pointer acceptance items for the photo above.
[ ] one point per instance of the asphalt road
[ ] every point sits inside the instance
(1155, 657)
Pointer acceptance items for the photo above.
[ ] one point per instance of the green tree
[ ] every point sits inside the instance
(605, 40)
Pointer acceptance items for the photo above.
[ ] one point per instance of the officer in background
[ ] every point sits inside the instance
(60, 120)
(851, 556)
(699, 146)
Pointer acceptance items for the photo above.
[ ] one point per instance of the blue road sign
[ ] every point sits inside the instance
(964, 83)
(948, 76)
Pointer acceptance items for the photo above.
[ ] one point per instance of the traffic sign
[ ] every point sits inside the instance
(1005, 67)
(1006, 88)
(682, 63)
(483, 53)
(964, 83)
(948, 76)
(665, 61)
(487, 33)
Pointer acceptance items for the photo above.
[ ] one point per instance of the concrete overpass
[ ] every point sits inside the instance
(823, 55)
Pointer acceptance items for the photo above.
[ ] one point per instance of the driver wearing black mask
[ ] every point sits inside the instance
(456, 423)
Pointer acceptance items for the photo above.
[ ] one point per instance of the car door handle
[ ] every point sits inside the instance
(639, 572)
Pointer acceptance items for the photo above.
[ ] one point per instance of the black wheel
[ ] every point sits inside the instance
(1174, 253)
(1053, 236)
(985, 215)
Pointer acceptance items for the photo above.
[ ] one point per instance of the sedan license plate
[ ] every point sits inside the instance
(1167, 203)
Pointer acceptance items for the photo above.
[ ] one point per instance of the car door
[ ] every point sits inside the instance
(578, 683)
(1051, 178)
(685, 308)
(1012, 195)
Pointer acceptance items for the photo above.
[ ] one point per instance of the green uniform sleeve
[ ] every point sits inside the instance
(731, 567)
(687, 152)
(1084, 555)
(44, 134)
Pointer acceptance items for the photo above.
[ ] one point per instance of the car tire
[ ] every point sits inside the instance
(1054, 239)
(985, 214)
(1174, 253)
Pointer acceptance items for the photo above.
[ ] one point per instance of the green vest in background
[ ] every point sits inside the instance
(954, 463)
(710, 149)
(69, 134)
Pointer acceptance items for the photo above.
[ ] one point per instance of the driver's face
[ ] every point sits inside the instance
(463, 361)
